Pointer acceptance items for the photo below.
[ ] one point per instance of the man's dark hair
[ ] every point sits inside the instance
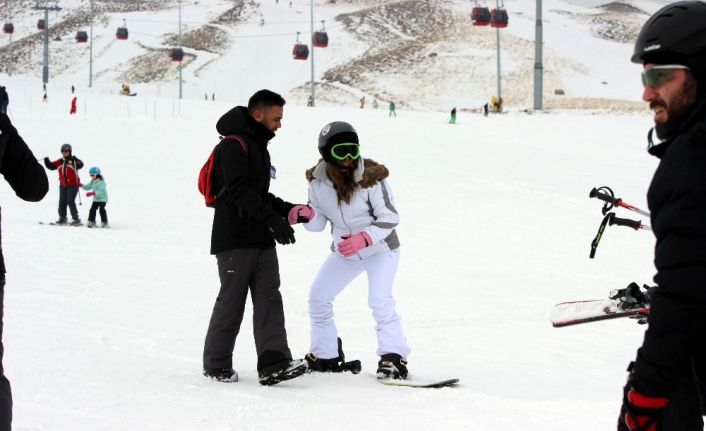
(264, 99)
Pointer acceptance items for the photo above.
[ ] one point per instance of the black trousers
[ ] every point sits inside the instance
(5, 392)
(258, 271)
(67, 197)
(100, 206)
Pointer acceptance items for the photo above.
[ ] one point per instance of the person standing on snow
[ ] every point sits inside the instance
(453, 116)
(72, 110)
(100, 197)
(354, 195)
(392, 112)
(247, 221)
(665, 387)
(68, 166)
(29, 181)
(4, 100)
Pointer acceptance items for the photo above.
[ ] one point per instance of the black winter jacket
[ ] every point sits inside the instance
(676, 335)
(245, 211)
(20, 169)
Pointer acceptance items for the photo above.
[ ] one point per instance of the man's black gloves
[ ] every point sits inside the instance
(281, 230)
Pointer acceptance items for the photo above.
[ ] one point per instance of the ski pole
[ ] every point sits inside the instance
(612, 201)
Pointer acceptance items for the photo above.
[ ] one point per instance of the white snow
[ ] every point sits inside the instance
(104, 329)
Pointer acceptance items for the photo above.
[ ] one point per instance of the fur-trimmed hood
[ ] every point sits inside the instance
(367, 173)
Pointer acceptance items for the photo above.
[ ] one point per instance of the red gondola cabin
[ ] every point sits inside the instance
(480, 16)
(300, 51)
(41, 25)
(8, 28)
(121, 33)
(320, 39)
(81, 36)
(498, 18)
(176, 54)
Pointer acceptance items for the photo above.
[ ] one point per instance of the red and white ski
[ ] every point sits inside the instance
(577, 312)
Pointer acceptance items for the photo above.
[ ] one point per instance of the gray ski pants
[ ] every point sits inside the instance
(240, 269)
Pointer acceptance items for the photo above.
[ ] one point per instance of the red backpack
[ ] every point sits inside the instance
(206, 174)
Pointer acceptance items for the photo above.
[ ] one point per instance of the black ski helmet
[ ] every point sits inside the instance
(66, 147)
(335, 133)
(675, 34)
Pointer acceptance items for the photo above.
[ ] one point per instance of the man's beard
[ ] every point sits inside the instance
(677, 109)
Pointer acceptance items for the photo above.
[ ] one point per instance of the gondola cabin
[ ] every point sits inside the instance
(176, 54)
(498, 18)
(300, 51)
(8, 28)
(480, 16)
(81, 36)
(41, 25)
(320, 39)
(121, 33)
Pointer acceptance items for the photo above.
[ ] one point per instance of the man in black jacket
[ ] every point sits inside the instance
(247, 221)
(29, 181)
(665, 387)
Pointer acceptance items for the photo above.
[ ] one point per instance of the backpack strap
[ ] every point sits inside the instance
(238, 138)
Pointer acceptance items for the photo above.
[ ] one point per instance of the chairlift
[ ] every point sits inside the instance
(480, 16)
(498, 18)
(300, 50)
(41, 25)
(81, 36)
(121, 33)
(176, 54)
(8, 28)
(320, 38)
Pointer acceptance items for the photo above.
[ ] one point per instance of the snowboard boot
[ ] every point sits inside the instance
(392, 366)
(333, 365)
(75, 222)
(105, 225)
(281, 371)
(91, 224)
(225, 375)
(61, 222)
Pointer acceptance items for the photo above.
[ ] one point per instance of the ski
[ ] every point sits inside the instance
(412, 384)
(628, 302)
(60, 224)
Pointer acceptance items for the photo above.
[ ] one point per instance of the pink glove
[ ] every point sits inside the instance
(89, 194)
(300, 214)
(352, 244)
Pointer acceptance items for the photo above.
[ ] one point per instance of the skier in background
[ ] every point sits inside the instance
(662, 390)
(392, 112)
(29, 182)
(354, 195)
(72, 110)
(99, 192)
(453, 116)
(4, 100)
(67, 166)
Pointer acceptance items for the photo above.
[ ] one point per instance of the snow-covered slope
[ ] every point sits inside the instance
(423, 54)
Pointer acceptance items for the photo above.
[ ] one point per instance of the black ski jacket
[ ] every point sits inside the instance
(20, 169)
(246, 209)
(676, 337)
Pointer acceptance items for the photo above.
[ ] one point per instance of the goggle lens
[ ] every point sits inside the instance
(345, 150)
(659, 75)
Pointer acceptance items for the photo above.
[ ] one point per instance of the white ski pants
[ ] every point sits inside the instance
(333, 276)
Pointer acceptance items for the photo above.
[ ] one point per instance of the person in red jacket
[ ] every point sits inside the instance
(68, 166)
(72, 111)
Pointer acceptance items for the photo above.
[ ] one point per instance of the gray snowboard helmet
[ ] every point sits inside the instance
(66, 147)
(335, 133)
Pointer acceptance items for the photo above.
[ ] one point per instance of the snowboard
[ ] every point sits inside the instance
(577, 312)
(420, 384)
(56, 224)
(632, 301)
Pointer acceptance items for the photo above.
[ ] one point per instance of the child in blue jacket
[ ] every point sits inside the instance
(100, 197)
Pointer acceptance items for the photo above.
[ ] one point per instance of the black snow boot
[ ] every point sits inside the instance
(225, 375)
(392, 366)
(333, 365)
(274, 367)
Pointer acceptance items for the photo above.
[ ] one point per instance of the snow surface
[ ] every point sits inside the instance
(104, 329)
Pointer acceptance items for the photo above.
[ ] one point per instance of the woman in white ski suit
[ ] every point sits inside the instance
(371, 216)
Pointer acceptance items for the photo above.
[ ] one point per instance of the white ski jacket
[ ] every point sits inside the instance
(371, 210)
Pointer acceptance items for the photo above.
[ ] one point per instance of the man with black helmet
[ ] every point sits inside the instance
(67, 166)
(664, 389)
(247, 221)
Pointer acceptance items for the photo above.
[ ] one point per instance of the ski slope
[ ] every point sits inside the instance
(104, 328)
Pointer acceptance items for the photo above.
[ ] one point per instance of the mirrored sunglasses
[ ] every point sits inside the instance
(660, 74)
(345, 150)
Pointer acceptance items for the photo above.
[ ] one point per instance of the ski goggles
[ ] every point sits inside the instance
(657, 75)
(345, 151)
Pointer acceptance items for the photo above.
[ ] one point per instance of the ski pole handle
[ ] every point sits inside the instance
(635, 224)
(605, 197)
